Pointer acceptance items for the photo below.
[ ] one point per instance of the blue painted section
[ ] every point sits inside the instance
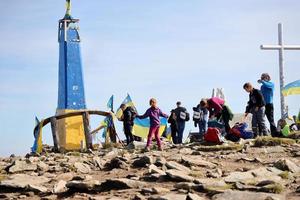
(70, 81)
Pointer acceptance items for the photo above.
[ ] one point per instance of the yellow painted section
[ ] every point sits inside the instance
(70, 131)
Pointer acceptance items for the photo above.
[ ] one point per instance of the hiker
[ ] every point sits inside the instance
(267, 90)
(173, 124)
(283, 128)
(153, 113)
(128, 116)
(218, 109)
(200, 118)
(256, 106)
(181, 117)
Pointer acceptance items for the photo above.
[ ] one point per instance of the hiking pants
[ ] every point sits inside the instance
(258, 122)
(174, 135)
(270, 116)
(128, 133)
(154, 131)
(181, 126)
(202, 127)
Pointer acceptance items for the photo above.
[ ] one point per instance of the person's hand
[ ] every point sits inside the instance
(259, 81)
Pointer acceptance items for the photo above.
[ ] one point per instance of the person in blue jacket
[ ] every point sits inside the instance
(267, 89)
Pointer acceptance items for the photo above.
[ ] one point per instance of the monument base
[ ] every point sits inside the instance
(70, 132)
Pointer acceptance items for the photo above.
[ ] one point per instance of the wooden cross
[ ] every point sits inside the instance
(281, 47)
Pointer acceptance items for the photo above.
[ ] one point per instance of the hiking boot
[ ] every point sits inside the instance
(160, 149)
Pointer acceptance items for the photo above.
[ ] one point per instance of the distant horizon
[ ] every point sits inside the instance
(171, 50)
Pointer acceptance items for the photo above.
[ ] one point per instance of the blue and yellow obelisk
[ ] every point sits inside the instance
(70, 83)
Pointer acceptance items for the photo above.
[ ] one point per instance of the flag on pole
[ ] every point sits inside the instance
(128, 102)
(292, 88)
(110, 103)
(38, 144)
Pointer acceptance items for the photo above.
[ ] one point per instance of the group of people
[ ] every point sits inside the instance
(260, 104)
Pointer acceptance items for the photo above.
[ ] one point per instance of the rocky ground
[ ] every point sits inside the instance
(261, 169)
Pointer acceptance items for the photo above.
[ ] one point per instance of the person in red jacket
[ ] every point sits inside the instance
(217, 108)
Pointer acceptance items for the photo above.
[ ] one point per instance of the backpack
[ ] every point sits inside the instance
(213, 135)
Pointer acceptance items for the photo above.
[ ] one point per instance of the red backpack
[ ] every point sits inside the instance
(213, 135)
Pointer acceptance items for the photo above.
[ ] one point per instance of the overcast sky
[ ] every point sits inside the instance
(172, 50)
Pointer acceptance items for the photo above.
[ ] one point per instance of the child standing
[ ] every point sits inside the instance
(256, 106)
(153, 113)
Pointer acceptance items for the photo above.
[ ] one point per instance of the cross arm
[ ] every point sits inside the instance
(277, 47)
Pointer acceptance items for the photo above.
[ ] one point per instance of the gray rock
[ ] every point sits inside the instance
(177, 166)
(196, 161)
(24, 181)
(116, 163)
(189, 186)
(238, 177)
(37, 189)
(170, 196)
(155, 169)
(82, 167)
(215, 173)
(60, 187)
(98, 163)
(245, 195)
(41, 166)
(178, 175)
(122, 183)
(142, 161)
(20, 166)
(287, 165)
(193, 196)
(83, 185)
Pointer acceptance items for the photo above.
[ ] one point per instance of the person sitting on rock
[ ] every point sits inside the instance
(153, 113)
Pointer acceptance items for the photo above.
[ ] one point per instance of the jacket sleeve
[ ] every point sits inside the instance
(268, 84)
(162, 114)
(144, 115)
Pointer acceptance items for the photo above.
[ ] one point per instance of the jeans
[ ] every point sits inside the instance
(202, 127)
(258, 122)
(270, 116)
(154, 131)
(181, 126)
(128, 133)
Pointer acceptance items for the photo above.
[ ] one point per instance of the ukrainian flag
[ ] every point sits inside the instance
(291, 88)
(128, 102)
(141, 127)
(38, 143)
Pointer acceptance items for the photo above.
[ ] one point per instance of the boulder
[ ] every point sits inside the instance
(170, 196)
(24, 182)
(287, 165)
(121, 183)
(83, 185)
(193, 196)
(60, 187)
(142, 161)
(116, 163)
(20, 166)
(195, 161)
(155, 169)
(177, 166)
(234, 195)
(82, 168)
(178, 175)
